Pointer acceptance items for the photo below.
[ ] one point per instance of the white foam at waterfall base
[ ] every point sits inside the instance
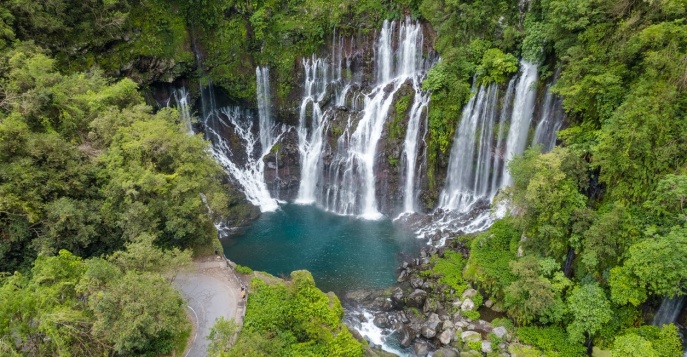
(376, 335)
(478, 169)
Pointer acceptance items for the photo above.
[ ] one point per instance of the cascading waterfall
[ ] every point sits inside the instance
(347, 185)
(523, 109)
(250, 175)
(266, 124)
(550, 122)
(477, 167)
(245, 163)
(669, 311)
(410, 147)
(310, 142)
(471, 163)
(181, 96)
(491, 132)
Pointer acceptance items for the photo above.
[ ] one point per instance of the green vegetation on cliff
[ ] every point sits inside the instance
(67, 306)
(290, 318)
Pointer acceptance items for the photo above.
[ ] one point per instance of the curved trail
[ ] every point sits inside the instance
(212, 291)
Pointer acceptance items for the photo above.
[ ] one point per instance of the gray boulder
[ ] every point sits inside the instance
(397, 298)
(446, 336)
(430, 305)
(427, 332)
(470, 336)
(421, 348)
(486, 346)
(469, 293)
(405, 336)
(417, 298)
(433, 321)
(381, 321)
(467, 305)
(500, 331)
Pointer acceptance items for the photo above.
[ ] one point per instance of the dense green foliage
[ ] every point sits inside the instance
(85, 166)
(291, 318)
(115, 306)
(596, 228)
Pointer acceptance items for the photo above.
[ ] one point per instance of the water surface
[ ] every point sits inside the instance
(342, 252)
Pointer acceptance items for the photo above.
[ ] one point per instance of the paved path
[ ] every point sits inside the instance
(212, 290)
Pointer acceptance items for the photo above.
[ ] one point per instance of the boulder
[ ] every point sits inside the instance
(446, 352)
(486, 347)
(456, 303)
(500, 331)
(470, 354)
(470, 336)
(417, 298)
(381, 321)
(416, 282)
(403, 276)
(467, 305)
(397, 298)
(380, 303)
(446, 336)
(405, 336)
(469, 293)
(430, 305)
(489, 303)
(421, 348)
(480, 326)
(433, 321)
(427, 332)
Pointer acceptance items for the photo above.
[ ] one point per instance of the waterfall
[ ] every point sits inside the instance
(471, 160)
(181, 96)
(250, 175)
(550, 122)
(346, 184)
(262, 75)
(481, 149)
(494, 128)
(353, 169)
(523, 108)
(669, 311)
(310, 141)
(244, 162)
(410, 148)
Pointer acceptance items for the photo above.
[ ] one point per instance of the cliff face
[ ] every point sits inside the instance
(282, 167)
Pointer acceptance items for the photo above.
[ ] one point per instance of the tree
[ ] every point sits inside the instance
(589, 309)
(70, 306)
(657, 265)
(632, 345)
(533, 295)
(140, 314)
(545, 198)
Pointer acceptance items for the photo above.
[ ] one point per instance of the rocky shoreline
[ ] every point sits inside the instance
(420, 315)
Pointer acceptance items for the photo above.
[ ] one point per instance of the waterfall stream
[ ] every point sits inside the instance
(244, 162)
(347, 104)
(347, 184)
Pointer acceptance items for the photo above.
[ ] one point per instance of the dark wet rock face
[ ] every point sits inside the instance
(282, 167)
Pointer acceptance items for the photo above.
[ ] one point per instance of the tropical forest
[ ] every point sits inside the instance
(303, 178)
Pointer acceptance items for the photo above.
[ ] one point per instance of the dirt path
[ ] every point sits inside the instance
(212, 291)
